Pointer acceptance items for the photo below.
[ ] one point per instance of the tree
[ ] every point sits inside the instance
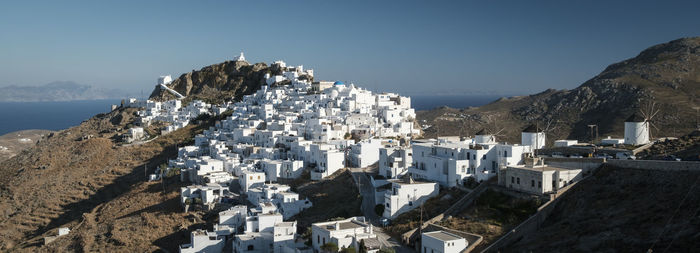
(329, 247)
(350, 249)
(379, 209)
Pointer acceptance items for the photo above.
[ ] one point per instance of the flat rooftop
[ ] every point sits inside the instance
(540, 168)
(443, 236)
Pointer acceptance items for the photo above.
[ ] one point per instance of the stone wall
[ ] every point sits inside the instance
(530, 225)
(585, 164)
(656, 165)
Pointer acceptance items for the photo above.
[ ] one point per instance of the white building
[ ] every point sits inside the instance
(395, 161)
(406, 195)
(240, 57)
(636, 130)
(365, 153)
(164, 80)
(134, 134)
(612, 141)
(344, 233)
(250, 179)
(449, 163)
(443, 242)
(203, 241)
(538, 179)
(565, 143)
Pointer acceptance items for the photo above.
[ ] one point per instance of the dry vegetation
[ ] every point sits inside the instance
(492, 215)
(95, 187)
(333, 197)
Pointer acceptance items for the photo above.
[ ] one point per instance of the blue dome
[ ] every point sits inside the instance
(338, 83)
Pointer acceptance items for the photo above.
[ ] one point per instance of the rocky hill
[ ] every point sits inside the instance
(667, 75)
(219, 82)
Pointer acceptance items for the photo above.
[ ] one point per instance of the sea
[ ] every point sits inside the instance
(15, 116)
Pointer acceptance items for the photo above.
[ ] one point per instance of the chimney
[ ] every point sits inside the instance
(337, 225)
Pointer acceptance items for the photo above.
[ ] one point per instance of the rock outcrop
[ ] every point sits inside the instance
(218, 82)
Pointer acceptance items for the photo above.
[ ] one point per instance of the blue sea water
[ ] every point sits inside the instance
(15, 116)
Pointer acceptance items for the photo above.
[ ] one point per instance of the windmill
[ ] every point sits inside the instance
(491, 127)
(547, 127)
(648, 111)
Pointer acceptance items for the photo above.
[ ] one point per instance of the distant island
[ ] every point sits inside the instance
(57, 91)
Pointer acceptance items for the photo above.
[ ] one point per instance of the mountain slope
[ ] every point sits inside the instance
(667, 74)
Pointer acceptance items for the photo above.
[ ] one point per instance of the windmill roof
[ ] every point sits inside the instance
(532, 129)
(635, 117)
(481, 132)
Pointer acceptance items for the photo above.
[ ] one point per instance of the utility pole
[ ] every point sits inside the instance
(697, 117)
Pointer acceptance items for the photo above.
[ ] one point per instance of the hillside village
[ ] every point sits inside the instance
(293, 128)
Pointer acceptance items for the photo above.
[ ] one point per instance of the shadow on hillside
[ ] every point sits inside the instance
(119, 186)
(124, 183)
(172, 242)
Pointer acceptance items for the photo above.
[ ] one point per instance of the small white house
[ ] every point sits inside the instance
(612, 141)
(538, 179)
(406, 195)
(250, 179)
(344, 233)
(443, 242)
(203, 241)
(395, 161)
(565, 143)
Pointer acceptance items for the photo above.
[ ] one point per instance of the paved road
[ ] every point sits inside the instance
(368, 204)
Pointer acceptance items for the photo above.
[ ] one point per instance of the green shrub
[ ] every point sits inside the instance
(379, 209)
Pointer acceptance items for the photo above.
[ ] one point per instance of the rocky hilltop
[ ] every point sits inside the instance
(667, 75)
(219, 82)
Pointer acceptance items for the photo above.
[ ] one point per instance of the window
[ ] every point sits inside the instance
(483, 157)
(539, 184)
(250, 247)
(532, 183)
(518, 180)
(468, 156)
(512, 180)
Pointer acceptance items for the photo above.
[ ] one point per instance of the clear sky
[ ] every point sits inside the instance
(421, 47)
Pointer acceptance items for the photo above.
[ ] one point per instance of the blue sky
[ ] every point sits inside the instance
(411, 47)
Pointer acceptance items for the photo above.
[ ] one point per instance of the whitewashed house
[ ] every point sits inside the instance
(365, 153)
(344, 233)
(406, 195)
(203, 241)
(441, 241)
(538, 178)
(395, 161)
